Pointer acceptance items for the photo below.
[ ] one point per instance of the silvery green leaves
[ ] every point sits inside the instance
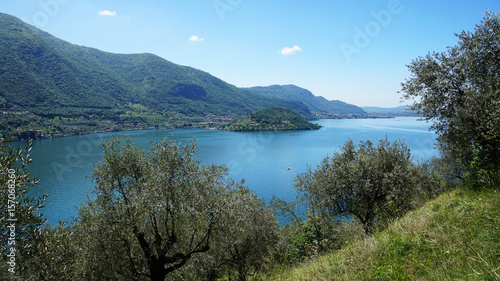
(459, 90)
(369, 182)
(159, 207)
(156, 210)
(20, 219)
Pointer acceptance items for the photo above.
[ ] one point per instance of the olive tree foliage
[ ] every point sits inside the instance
(459, 90)
(55, 255)
(253, 234)
(243, 245)
(20, 220)
(446, 165)
(370, 183)
(152, 212)
(305, 234)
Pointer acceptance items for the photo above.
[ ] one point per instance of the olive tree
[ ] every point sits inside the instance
(367, 182)
(305, 232)
(151, 212)
(55, 249)
(20, 220)
(459, 90)
(243, 244)
(253, 234)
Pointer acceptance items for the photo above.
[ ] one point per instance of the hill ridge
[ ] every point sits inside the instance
(51, 78)
(313, 102)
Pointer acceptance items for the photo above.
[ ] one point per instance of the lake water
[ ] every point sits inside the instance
(268, 161)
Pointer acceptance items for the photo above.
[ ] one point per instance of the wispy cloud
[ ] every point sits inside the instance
(290, 51)
(107, 13)
(195, 38)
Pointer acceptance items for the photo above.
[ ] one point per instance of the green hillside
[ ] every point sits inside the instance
(454, 237)
(271, 119)
(314, 103)
(44, 78)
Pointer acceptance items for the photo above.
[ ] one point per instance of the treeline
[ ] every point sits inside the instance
(155, 215)
(161, 215)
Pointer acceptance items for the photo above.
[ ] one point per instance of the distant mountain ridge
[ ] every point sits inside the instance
(403, 110)
(314, 103)
(51, 77)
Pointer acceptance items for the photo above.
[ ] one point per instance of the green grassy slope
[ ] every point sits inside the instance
(454, 237)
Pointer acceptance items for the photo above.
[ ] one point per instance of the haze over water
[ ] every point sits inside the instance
(268, 161)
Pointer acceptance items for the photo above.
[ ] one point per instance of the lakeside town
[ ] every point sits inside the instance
(32, 126)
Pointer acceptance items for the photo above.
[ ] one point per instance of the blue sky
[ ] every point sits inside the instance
(354, 51)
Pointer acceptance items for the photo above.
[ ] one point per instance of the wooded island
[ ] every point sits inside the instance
(271, 119)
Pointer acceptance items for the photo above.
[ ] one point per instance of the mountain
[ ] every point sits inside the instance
(271, 119)
(402, 110)
(51, 78)
(314, 103)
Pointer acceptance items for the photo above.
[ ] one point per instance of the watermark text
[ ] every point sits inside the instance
(363, 36)
(11, 221)
(223, 6)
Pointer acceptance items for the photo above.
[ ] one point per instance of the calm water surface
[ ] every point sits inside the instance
(268, 161)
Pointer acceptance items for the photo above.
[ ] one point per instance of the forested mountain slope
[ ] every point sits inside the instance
(314, 103)
(51, 77)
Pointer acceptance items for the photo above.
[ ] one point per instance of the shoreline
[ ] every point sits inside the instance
(187, 126)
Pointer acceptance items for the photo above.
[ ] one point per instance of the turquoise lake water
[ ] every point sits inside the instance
(268, 161)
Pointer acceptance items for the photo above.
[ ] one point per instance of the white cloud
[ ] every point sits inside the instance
(107, 13)
(290, 51)
(195, 38)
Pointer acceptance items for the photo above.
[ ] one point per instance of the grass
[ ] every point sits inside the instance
(454, 237)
